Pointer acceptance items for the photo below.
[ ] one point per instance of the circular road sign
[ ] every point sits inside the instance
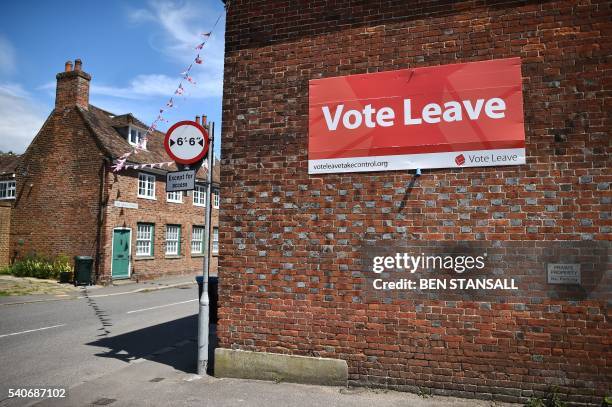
(187, 142)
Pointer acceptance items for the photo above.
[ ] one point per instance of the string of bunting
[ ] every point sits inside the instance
(156, 165)
(170, 104)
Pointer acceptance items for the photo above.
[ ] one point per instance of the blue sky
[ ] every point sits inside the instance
(135, 52)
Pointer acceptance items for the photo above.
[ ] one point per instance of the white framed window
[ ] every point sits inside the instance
(146, 186)
(197, 240)
(176, 197)
(135, 136)
(199, 195)
(144, 239)
(216, 199)
(7, 189)
(173, 240)
(215, 241)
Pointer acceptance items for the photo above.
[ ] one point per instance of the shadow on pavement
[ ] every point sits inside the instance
(160, 343)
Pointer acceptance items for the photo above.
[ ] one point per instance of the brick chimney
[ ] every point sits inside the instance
(72, 87)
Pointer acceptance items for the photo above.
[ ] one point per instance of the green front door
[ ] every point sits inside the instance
(121, 253)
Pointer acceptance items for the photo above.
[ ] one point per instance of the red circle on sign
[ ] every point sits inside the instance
(191, 160)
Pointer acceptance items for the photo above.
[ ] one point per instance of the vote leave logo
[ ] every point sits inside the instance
(460, 159)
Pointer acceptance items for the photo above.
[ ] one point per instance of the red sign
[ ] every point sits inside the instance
(187, 142)
(460, 115)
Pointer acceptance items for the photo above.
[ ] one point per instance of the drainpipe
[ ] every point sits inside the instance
(100, 220)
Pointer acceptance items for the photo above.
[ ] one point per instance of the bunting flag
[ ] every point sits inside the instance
(179, 91)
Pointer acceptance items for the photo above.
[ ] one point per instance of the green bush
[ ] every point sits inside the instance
(39, 267)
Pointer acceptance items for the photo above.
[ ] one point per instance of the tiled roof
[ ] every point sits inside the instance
(8, 163)
(104, 126)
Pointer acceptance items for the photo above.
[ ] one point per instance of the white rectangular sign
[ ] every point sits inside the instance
(180, 181)
(559, 273)
(129, 205)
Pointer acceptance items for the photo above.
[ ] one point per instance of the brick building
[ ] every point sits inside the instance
(68, 201)
(291, 277)
(8, 164)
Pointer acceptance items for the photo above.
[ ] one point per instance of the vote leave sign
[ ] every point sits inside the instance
(450, 116)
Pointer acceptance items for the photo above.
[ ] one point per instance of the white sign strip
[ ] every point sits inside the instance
(161, 306)
(180, 181)
(129, 205)
(31, 330)
(455, 159)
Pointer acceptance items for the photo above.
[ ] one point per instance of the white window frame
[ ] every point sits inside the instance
(172, 197)
(7, 189)
(139, 136)
(174, 239)
(199, 240)
(215, 241)
(200, 191)
(148, 178)
(216, 199)
(146, 237)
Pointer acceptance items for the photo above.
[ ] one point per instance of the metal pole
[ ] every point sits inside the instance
(204, 301)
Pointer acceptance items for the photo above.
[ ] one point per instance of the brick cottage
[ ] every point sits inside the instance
(293, 245)
(68, 201)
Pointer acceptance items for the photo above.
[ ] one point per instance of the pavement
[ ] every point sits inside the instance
(167, 379)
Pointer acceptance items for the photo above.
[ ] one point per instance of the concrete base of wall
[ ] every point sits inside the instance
(287, 368)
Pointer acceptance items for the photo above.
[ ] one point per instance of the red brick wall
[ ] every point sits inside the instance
(5, 229)
(289, 240)
(58, 187)
(124, 187)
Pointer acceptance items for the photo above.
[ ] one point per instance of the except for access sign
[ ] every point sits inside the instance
(450, 116)
(180, 181)
(186, 142)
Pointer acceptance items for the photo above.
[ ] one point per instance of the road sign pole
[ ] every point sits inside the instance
(203, 320)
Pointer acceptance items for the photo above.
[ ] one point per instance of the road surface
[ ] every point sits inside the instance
(64, 343)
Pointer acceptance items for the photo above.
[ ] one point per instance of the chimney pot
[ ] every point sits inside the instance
(68, 66)
(77, 64)
(197, 119)
(203, 120)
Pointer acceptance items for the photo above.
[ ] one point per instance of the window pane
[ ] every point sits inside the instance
(215, 241)
(175, 196)
(199, 195)
(216, 199)
(146, 185)
(144, 240)
(197, 240)
(172, 239)
(7, 189)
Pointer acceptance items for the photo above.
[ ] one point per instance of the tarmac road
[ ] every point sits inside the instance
(64, 343)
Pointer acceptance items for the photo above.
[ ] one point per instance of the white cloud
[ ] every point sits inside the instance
(21, 120)
(144, 86)
(7, 57)
(181, 26)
